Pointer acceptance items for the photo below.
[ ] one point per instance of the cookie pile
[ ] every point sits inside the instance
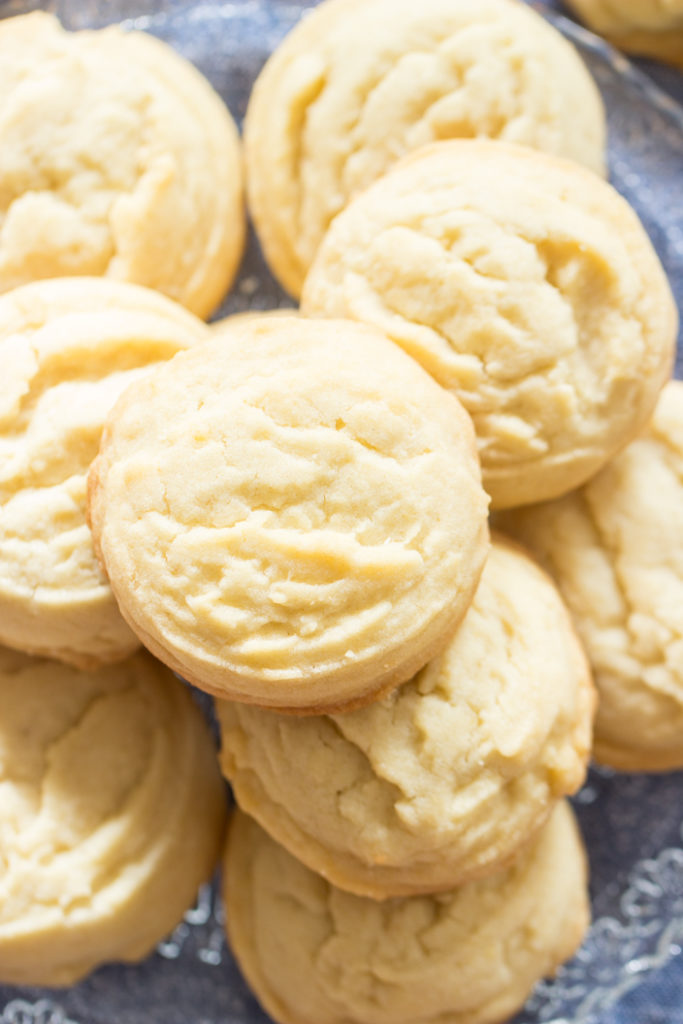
(292, 511)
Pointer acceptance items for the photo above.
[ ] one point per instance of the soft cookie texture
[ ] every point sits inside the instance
(525, 285)
(615, 548)
(314, 954)
(359, 83)
(444, 779)
(111, 814)
(291, 515)
(67, 350)
(119, 160)
(638, 26)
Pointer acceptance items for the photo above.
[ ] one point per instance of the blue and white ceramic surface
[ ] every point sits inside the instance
(633, 824)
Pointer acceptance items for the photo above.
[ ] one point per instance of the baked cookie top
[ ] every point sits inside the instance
(524, 284)
(321, 126)
(67, 349)
(317, 955)
(292, 514)
(111, 814)
(615, 548)
(118, 160)
(445, 778)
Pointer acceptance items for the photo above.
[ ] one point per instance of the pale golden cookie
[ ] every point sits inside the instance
(317, 955)
(524, 284)
(615, 548)
(359, 83)
(67, 350)
(227, 323)
(639, 26)
(111, 814)
(292, 514)
(118, 160)
(444, 779)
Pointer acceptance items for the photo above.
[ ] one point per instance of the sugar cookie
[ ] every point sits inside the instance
(444, 779)
(118, 160)
(317, 955)
(524, 284)
(615, 548)
(359, 83)
(291, 514)
(67, 349)
(111, 814)
(638, 26)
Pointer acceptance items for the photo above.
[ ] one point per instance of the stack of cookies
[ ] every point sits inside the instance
(292, 512)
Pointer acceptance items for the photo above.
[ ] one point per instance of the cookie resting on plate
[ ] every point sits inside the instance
(615, 548)
(321, 125)
(317, 955)
(111, 814)
(118, 160)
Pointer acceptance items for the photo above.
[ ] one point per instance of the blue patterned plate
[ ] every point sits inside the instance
(633, 824)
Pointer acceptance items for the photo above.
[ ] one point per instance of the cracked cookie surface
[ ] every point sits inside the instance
(289, 516)
(524, 284)
(316, 955)
(615, 548)
(111, 814)
(68, 348)
(132, 174)
(448, 776)
(321, 127)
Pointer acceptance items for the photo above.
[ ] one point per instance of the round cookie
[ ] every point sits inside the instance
(111, 814)
(615, 548)
(321, 127)
(638, 26)
(524, 284)
(291, 515)
(67, 349)
(444, 779)
(133, 175)
(317, 955)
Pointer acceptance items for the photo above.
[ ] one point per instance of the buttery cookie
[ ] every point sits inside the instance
(615, 548)
(118, 160)
(322, 125)
(314, 954)
(444, 779)
(111, 816)
(638, 26)
(527, 286)
(291, 514)
(67, 349)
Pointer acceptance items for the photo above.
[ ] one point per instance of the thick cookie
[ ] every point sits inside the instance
(316, 955)
(615, 548)
(291, 515)
(67, 349)
(524, 284)
(111, 814)
(444, 779)
(118, 160)
(359, 83)
(638, 26)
